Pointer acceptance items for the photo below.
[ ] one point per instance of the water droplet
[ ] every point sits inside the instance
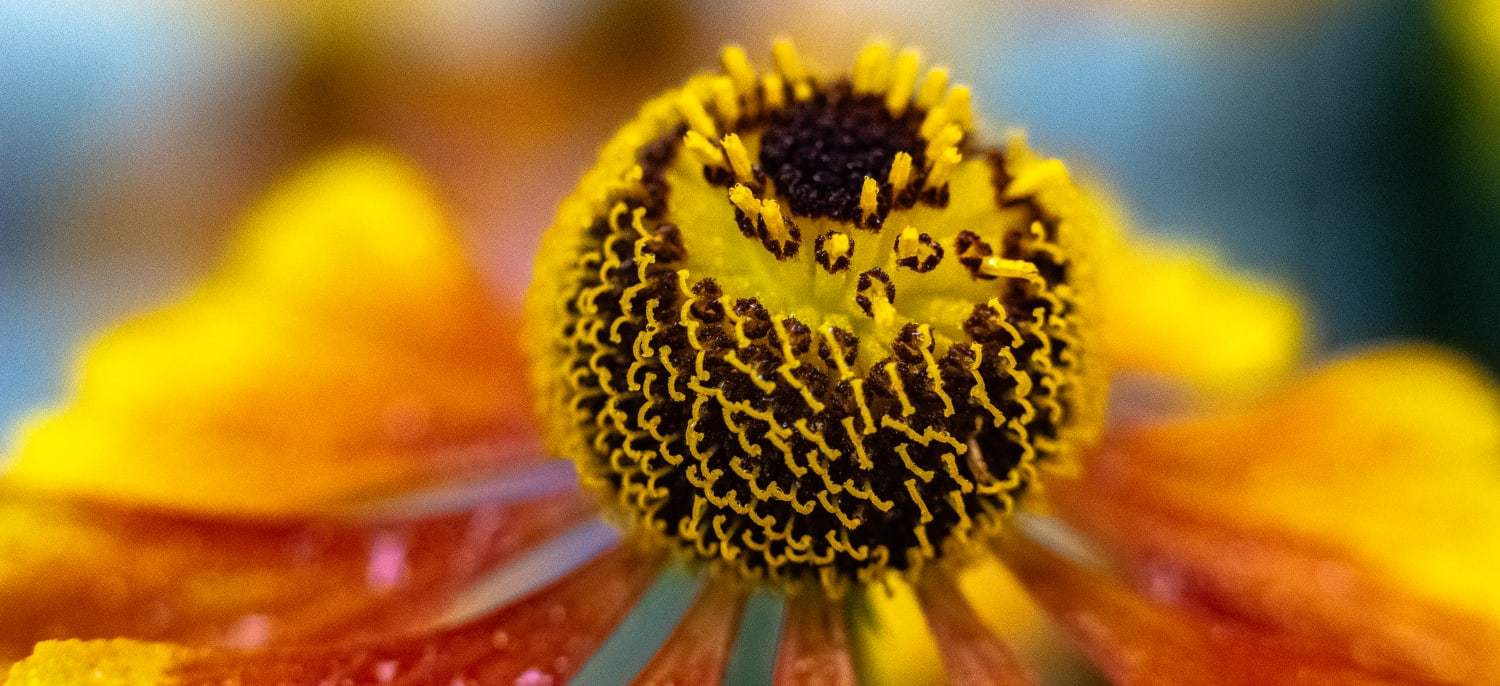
(534, 677)
(385, 672)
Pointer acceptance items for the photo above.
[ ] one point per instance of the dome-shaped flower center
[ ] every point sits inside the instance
(808, 327)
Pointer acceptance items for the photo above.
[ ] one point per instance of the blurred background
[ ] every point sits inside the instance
(1348, 148)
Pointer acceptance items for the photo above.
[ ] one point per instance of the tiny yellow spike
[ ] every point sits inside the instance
(933, 87)
(737, 65)
(900, 172)
(903, 79)
(773, 89)
(788, 60)
(726, 99)
(706, 152)
(770, 211)
(802, 91)
(872, 67)
(739, 158)
(869, 198)
(960, 106)
(942, 166)
(936, 119)
(745, 200)
(691, 109)
(947, 138)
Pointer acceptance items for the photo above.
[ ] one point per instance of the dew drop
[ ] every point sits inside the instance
(385, 672)
(534, 677)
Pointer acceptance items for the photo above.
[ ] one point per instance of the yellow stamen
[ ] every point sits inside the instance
(903, 78)
(1035, 177)
(739, 158)
(691, 109)
(726, 100)
(773, 89)
(770, 211)
(960, 106)
(706, 152)
(947, 138)
(933, 86)
(900, 172)
(1009, 269)
(872, 67)
(745, 200)
(942, 167)
(788, 61)
(869, 199)
(737, 65)
(936, 119)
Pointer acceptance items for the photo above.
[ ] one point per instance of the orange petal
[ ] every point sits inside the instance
(1175, 310)
(77, 570)
(697, 652)
(814, 647)
(1136, 641)
(541, 639)
(974, 657)
(1355, 512)
(345, 348)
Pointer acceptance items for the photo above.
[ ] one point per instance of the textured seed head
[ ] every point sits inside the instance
(811, 328)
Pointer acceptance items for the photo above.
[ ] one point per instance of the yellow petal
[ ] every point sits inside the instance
(890, 638)
(1178, 311)
(1356, 510)
(344, 348)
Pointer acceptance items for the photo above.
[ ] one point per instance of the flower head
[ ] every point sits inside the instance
(810, 326)
(785, 327)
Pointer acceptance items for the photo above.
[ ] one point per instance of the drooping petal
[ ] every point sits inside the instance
(1177, 311)
(973, 655)
(697, 652)
(344, 349)
(1355, 513)
(814, 648)
(541, 639)
(1135, 640)
(72, 569)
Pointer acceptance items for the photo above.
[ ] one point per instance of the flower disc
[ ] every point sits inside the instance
(809, 327)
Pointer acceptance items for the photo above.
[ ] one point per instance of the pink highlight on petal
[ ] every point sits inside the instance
(387, 561)
(251, 631)
(534, 677)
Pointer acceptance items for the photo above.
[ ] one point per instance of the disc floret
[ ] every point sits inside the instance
(809, 327)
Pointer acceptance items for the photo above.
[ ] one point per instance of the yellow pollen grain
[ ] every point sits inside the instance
(903, 79)
(739, 158)
(934, 84)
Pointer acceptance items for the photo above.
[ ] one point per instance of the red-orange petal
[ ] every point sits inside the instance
(87, 570)
(1353, 514)
(814, 647)
(541, 639)
(973, 655)
(697, 652)
(1135, 640)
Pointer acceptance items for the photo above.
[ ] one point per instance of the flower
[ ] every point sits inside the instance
(323, 466)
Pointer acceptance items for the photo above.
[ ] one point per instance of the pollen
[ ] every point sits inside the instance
(809, 326)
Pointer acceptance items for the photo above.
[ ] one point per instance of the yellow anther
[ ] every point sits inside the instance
(726, 100)
(869, 199)
(773, 89)
(788, 60)
(900, 172)
(903, 79)
(737, 65)
(706, 152)
(947, 138)
(933, 86)
(739, 158)
(872, 68)
(960, 106)
(691, 109)
(745, 200)
(942, 167)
